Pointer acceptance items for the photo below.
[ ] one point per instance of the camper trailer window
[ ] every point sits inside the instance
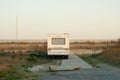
(58, 41)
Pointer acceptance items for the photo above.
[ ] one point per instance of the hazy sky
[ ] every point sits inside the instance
(82, 19)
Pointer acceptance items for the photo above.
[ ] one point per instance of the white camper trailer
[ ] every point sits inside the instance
(58, 45)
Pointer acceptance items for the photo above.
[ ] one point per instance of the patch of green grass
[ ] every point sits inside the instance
(19, 63)
(11, 78)
(39, 54)
(2, 53)
(13, 74)
(32, 59)
(26, 65)
(36, 55)
(90, 59)
(2, 74)
(109, 56)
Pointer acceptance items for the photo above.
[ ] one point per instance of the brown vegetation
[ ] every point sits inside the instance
(91, 45)
(13, 65)
(22, 48)
(112, 54)
(4, 68)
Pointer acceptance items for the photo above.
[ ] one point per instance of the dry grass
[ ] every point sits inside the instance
(23, 48)
(14, 59)
(111, 56)
(90, 45)
(13, 65)
(4, 68)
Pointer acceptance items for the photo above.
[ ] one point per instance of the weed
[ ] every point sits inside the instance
(39, 54)
(13, 74)
(2, 74)
(26, 65)
(111, 56)
(2, 53)
(90, 59)
(11, 78)
(32, 59)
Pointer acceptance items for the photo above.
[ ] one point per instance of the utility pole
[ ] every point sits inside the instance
(16, 28)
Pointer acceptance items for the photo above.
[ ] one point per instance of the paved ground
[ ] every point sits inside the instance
(74, 60)
(85, 74)
(103, 73)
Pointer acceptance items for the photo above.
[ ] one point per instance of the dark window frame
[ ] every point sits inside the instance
(57, 43)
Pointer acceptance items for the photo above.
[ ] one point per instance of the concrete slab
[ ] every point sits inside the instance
(63, 68)
(73, 63)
